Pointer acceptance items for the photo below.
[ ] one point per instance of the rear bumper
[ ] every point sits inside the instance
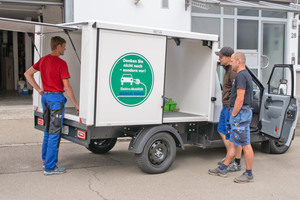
(73, 131)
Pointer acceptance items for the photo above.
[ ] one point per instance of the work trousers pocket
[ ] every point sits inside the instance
(239, 134)
(56, 117)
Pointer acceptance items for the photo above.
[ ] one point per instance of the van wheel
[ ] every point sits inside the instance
(278, 147)
(101, 146)
(158, 154)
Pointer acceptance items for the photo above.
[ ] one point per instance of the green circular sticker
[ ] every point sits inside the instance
(131, 79)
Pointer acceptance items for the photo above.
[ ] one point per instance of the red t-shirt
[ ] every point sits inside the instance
(53, 70)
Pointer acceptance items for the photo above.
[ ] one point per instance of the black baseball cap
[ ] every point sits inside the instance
(225, 51)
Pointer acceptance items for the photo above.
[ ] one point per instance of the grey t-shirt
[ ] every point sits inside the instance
(242, 80)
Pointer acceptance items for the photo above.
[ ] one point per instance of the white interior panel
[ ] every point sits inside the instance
(188, 76)
(113, 45)
(69, 57)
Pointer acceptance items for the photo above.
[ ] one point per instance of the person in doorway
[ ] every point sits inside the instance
(224, 127)
(240, 119)
(55, 80)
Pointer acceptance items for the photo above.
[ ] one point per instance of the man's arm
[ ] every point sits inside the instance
(29, 76)
(69, 91)
(238, 104)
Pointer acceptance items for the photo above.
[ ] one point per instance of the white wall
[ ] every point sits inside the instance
(144, 13)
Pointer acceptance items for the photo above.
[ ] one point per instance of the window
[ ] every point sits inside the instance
(280, 82)
(247, 34)
(206, 25)
(228, 11)
(212, 10)
(220, 72)
(274, 14)
(228, 33)
(247, 12)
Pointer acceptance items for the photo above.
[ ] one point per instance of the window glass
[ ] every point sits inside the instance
(220, 72)
(255, 71)
(212, 10)
(280, 82)
(247, 34)
(256, 98)
(274, 14)
(206, 25)
(228, 11)
(228, 33)
(247, 12)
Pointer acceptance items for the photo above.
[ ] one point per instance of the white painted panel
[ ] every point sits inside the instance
(88, 74)
(144, 13)
(115, 110)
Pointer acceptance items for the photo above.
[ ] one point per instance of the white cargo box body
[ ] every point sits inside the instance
(126, 71)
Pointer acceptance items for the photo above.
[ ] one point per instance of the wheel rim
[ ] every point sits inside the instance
(279, 144)
(158, 152)
(101, 143)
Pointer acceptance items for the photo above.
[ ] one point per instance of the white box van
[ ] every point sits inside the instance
(121, 75)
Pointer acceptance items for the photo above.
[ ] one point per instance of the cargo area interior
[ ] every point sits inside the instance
(188, 80)
(73, 65)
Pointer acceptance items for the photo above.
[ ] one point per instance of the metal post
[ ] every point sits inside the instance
(69, 10)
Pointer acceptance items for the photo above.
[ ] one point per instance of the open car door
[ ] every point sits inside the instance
(279, 108)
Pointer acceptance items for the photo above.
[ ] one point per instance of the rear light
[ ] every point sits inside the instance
(81, 134)
(40, 121)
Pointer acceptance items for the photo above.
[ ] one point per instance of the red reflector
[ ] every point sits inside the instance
(37, 108)
(276, 130)
(80, 120)
(40, 121)
(81, 134)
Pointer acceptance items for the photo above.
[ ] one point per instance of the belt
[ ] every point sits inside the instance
(53, 92)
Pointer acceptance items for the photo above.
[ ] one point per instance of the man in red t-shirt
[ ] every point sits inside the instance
(55, 79)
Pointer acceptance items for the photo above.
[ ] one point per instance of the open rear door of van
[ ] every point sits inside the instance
(35, 31)
(279, 108)
(31, 26)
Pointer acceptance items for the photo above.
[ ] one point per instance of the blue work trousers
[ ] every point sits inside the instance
(53, 113)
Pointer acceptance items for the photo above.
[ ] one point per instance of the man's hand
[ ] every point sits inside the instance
(77, 109)
(41, 92)
(238, 102)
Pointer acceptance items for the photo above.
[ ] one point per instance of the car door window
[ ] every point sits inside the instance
(280, 81)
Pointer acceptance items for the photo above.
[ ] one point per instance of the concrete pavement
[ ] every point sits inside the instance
(116, 176)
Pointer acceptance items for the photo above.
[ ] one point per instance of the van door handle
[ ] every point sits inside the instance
(268, 100)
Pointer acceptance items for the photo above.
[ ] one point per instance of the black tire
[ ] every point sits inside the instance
(101, 146)
(278, 147)
(158, 154)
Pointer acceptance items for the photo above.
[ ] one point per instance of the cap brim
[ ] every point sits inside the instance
(218, 53)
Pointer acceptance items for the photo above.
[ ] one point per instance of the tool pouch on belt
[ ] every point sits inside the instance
(55, 120)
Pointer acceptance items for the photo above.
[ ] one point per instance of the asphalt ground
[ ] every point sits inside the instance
(115, 175)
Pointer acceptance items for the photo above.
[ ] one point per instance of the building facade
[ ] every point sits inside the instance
(266, 31)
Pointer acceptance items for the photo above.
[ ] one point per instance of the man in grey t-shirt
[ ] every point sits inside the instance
(240, 119)
(223, 126)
